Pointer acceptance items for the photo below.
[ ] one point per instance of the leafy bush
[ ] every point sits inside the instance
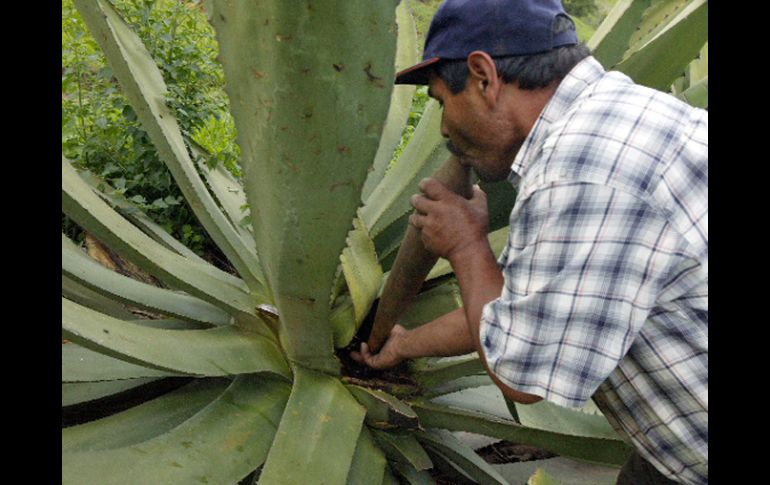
(100, 132)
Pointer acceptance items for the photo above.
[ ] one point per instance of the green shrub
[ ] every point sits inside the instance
(100, 131)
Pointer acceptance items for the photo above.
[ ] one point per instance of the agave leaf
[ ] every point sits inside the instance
(133, 213)
(93, 214)
(697, 95)
(432, 372)
(143, 85)
(654, 19)
(145, 421)
(384, 410)
(459, 384)
(432, 304)
(317, 436)
(362, 271)
(597, 450)
(425, 153)
(79, 364)
(215, 352)
(80, 294)
(388, 478)
(80, 392)
(540, 477)
(412, 475)
(487, 399)
(227, 190)
(369, 461)
(309, 101)
(343, 321)
(170, 324)
(613, 36)
(449, 468)
(96, 277)
(658, 61)
(389, 240)
(403, 447)
(473, 465)
(220, 444)
(497, 241)
(551, 417)
(400, 100)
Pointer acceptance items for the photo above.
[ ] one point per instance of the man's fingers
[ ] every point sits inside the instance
(434, 189)
(422, 204)
(417, 220)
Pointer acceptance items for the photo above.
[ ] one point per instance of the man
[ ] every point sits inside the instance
(602, 289)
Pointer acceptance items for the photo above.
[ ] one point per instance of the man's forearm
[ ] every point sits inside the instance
(481, 282)
(443, 337)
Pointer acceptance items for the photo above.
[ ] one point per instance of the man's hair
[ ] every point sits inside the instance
(530, 71)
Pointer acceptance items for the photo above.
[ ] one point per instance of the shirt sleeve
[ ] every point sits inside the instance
(583, 267)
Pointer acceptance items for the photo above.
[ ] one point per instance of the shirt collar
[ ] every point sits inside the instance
(585, 73)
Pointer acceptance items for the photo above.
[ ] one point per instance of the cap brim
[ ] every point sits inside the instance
(417, 74)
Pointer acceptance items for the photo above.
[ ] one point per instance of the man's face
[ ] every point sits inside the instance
(476, 135)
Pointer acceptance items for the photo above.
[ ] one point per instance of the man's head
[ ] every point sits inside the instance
(512, 55)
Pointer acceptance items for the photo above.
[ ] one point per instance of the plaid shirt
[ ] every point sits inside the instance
(606, 266)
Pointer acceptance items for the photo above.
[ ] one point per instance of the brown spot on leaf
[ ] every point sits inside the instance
(281, 37)
(258, 74)
(343, 149)
(377, 81)
(338, 67)
(291, 165)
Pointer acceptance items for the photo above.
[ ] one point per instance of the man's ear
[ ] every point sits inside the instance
(483, 76)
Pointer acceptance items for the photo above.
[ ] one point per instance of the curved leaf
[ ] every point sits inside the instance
(432, 304)
(659, 60)
(431, 372)
(93, 275)
(80, 294)
(697, 95)
(613, 37)
(79, 392)
(222, 443)
(400, 100)
(425, 153)
(551, 417)
(143, 85)
(145, 421)
(403, 447)
(79, 364)
(93, 214)
(309, 101)
(129, 210)
(596, 450)
(363, 273)
(412, 475)
(317, 436)
(369, 463)
(446, 443)
(215, 352)
(384, 410)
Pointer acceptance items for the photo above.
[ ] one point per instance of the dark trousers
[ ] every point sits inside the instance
(638, 471)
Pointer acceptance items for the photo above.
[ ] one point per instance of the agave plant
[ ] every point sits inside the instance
(257, 383)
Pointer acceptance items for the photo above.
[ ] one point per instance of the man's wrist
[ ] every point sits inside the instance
(469, 252)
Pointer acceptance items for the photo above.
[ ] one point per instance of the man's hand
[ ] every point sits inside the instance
(449, 223)
(390, 355)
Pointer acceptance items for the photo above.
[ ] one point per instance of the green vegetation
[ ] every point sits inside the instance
(101, 133)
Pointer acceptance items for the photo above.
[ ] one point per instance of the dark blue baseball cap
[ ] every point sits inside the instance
(497, 27)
